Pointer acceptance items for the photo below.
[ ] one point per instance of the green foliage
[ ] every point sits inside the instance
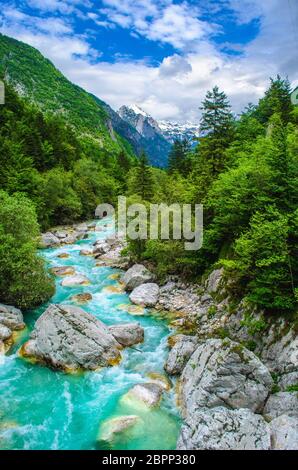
(44, 85)
(263, 260)
(24, 281)
(41, 157)
(212, 311)
(142, 180)
(277, 99)
(292, 388)
(246, 174)
(217, 123)
(179, 157)
(63, 157)
(253, 325)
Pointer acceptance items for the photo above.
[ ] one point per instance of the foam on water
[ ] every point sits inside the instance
(44, 409)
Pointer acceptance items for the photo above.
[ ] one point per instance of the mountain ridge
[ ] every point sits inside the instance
(154, 142)
(36, 77)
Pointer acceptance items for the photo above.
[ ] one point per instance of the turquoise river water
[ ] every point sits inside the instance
(44, 409)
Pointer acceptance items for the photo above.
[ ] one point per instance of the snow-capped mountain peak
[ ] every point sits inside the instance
(137, 110)
(175, 130)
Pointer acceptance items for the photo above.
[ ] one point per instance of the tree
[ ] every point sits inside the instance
(263, 262)
(277, 99)
(216, 117)
(179, 157)
(142, 183)
(24, 281)
(217, 123)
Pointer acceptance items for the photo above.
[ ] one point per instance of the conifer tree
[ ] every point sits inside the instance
(143, 181)
(123, 162)
(179, 157)
(277, 99)
(217, 123)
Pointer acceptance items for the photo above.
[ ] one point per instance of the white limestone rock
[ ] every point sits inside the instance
(145, 295)
(224, 429)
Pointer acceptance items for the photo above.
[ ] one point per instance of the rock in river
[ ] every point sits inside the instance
(145, 295)
(82, 298)
(115, 427)
(68, 338)
(135, 276)
(63, 271)
(128, 334)
(148, 395)
(77, 280)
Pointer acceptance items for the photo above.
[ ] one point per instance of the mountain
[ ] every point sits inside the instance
(36, 78)
(176, 131)
(154, 143)
(128, 132)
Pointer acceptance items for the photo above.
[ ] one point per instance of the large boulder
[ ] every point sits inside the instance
(284, 433)
(224, 373)
(11, 317)
(49, 240)
(135, 276)
(128, 334)
(145, 295)
(66, 337)
(180, 353)
(224, 429)
(281, 403)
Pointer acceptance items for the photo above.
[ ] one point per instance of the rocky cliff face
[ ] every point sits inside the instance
(152, 140)
(238, 370)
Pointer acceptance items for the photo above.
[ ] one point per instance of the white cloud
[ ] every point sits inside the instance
(174, 66)
(163, 20)
(17, 19)
(175, 88)
(62, 6)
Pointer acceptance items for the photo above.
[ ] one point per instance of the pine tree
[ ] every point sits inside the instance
(216, 117)
(277, 99)
(124, 162)
(217, 123)
(143, 181)
(179, 157)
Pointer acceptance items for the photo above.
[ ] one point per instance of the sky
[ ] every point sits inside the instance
(162, 54)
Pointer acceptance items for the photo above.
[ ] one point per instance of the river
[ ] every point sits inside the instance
(44, 409)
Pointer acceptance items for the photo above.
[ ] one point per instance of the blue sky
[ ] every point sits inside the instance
(162, 54)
